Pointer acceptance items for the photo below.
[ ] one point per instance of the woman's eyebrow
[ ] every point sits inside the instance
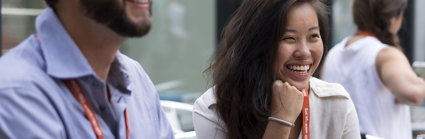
(290, 30)
(314, 28)
(295, 31)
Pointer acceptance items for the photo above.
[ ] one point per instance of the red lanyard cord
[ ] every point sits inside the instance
(306, 115)
(127, 124)
(79, 94)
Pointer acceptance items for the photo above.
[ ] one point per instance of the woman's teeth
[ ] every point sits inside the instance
(141, 1)
(300, 69)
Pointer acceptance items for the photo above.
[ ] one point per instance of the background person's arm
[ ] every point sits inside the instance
(398, 76)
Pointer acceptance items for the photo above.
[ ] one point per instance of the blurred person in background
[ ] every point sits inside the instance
(70, 81)
(263, 84)
(372, 67)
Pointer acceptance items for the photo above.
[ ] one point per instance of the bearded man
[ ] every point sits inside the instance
(69, 80)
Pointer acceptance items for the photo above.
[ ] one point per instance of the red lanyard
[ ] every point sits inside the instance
(306, 115)
(366, 33)
(79, 94)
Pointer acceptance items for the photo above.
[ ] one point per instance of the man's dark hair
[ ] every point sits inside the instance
(51, 3)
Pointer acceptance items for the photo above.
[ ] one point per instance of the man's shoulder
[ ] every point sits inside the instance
(26, 53)
(24, 76)
(22, 65)
(124, 59)
(134, 70)
(129, 64)
(139, 80)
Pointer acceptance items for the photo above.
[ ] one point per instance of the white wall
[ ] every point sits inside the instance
(419, 40)
(179, 46)
(343, 24)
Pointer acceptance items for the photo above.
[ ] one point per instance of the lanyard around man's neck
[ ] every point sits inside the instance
(78, 92)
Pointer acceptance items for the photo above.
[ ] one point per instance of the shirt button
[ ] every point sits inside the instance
(102, 108)
(95, 84)
(119, 99)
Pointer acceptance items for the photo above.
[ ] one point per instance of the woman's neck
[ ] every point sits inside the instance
(354, 39)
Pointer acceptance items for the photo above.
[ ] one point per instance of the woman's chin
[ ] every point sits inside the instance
(300, 85)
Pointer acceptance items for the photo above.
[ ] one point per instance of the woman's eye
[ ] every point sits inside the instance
(288, 38)
(315, 36)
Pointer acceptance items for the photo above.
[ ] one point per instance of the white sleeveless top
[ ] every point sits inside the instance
(354, 68)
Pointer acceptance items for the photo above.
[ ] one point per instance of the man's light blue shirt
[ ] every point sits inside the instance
(35, 102)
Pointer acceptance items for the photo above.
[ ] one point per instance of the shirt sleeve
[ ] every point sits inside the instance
(27, 113)
(206, 122)
(206, 129)
(351, 127)
(165, 127)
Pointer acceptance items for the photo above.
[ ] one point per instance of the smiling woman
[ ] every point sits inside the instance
(301, 47)
(269, 51)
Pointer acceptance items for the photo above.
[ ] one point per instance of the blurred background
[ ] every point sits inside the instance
(184, 37)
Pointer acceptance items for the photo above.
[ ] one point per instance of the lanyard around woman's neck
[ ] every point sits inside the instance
(78, 92)
(306, 115)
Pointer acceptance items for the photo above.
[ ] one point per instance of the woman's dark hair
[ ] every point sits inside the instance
(244, 69)
(375, 16)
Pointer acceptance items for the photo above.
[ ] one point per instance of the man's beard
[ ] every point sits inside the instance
(112, 14)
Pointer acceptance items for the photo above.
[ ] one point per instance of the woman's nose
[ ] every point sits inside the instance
(302, 50)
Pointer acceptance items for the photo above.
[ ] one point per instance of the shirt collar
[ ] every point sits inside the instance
(325, 89)
(119, 75)
(64, 60)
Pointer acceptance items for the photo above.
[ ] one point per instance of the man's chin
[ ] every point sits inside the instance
(129, 29)
(138, 33)
(143, 29)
